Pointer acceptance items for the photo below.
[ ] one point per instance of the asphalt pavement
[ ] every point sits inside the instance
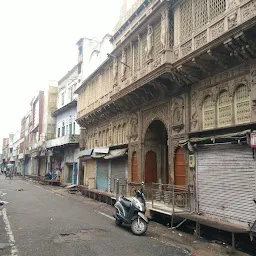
(38, 221)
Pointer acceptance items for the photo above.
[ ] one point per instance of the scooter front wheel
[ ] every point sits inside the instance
(118, 222)
(139, 226)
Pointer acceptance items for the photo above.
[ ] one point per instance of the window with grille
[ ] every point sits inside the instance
(201, 13)
(217, 7)
(136, 56)
(63, 129)
(107, 137)
(74, 128)
(129, 61)
(196, 14)
(70, 129)
(186, 19)
(120, 135)
(104, 139)
(124, 134)
(114, 136)
(100, 140)
(242, 105)
(224, 109)
(208, 113)
(157, 42)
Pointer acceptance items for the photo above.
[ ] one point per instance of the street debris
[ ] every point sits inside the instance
(3, 202)
(180, 234)
(72, 189)
(21, 189)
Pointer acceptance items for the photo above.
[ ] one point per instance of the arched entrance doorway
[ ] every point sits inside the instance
(179, 170)
(156, 153)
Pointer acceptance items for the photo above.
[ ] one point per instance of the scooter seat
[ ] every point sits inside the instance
(126, 203)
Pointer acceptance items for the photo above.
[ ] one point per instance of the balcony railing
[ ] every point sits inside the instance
(65, 140)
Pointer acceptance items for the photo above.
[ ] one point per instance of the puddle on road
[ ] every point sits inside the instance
(83, 235)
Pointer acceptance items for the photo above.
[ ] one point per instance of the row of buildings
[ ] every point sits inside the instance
(173, 105)
(48, 137)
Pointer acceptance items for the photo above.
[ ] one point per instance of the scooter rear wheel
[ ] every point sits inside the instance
(139, 226)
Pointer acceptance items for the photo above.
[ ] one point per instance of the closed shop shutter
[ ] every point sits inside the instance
(42, 166)
(90, 173)
(102, 175)
(118, 171)
(226, 182)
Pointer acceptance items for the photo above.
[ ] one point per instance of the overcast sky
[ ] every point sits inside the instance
(37, 44)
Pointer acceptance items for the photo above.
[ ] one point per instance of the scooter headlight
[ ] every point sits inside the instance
(138, 205)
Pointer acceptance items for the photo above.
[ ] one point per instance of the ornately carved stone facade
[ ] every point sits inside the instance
(179, 71)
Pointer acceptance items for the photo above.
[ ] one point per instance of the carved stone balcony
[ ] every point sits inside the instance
(236, 13)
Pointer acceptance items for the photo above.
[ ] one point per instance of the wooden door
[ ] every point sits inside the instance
(180, 170)
(134, 167)
(150, 167)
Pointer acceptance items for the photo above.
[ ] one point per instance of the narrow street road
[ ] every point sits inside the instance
(37, 221)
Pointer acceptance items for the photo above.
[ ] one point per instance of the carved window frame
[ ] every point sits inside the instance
(124, 133)
(104, 138)
(210, 108)
(107, 137)
(119, 135)
(100, 140)
(114, 139)
(244, 101)
(223, 104)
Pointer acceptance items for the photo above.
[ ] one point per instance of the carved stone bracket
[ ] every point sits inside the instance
(186, 75)
(240, 47)
(197, 63)
(217, 59)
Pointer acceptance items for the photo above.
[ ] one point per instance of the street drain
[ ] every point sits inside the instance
(83, 235)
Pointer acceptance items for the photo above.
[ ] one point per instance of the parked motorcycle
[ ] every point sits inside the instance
(132, 212)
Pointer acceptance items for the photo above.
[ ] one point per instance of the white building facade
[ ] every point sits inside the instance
(64, 147)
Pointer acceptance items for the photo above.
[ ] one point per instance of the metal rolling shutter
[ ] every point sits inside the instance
(102, 175)
(226, 182)
(42, 166)
(118, 171)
